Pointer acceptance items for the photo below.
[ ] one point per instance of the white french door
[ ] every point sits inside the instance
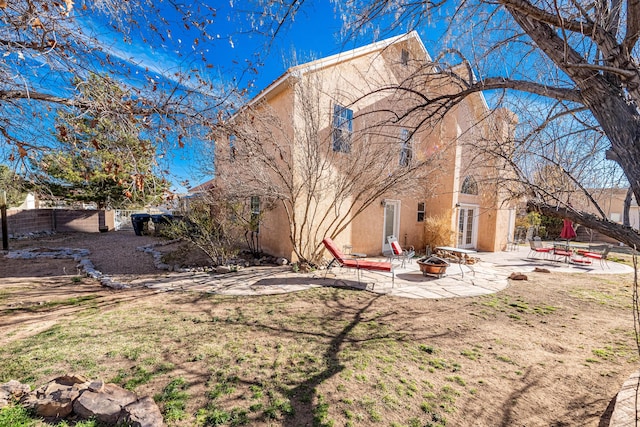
(467, 224)
(391, 222)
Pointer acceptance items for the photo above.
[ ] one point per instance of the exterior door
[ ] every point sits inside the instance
(391, 222)
(467, 233)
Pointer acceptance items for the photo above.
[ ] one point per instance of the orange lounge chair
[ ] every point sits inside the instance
(358, 264)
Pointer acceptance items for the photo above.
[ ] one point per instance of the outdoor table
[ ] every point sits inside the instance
(562, 249)
(572, 253)
(462, 255)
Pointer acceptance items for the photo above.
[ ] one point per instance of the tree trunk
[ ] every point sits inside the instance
(626, 221)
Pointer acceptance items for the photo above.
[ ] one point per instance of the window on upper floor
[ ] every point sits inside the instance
(469, 186)
(404, 57)
(232, 147)
(406, 149)
(342, 128)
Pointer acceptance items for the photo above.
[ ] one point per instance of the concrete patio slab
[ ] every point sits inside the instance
(489, 275)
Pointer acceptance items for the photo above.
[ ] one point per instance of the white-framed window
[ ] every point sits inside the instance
(421, 211)
(406, 149)
(342, 128)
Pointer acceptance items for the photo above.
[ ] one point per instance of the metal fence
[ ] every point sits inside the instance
(122, 219)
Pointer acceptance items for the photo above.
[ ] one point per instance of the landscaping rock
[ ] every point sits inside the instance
(282, 261)
(223, 269)
(12, 390)
(141, 413)
(518, 276)
(541, 270)
(55, 399)
(76, 396)
(104, 406)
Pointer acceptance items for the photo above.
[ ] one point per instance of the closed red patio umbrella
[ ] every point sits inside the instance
(567, 230)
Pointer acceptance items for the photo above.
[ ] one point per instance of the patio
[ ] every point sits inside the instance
(487, 276)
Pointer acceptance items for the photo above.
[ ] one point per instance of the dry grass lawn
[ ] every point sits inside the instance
(551, 351)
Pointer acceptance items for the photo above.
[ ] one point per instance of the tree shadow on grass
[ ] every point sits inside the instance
(303, 396)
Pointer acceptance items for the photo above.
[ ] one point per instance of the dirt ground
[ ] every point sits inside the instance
(550, 351)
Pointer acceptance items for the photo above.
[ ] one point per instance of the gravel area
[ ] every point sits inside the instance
(112, 253)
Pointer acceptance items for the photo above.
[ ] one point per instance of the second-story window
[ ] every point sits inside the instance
(342, 128)
(469, 186)
(404, 57)
(406, 149)
(232, 147)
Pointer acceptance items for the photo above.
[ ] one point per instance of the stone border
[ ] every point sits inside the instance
(81, 256)
(625, 410)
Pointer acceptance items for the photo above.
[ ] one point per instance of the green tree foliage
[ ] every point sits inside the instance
(13, 184)
(103, 158)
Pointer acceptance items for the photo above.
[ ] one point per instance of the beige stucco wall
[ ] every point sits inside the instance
(449, 142)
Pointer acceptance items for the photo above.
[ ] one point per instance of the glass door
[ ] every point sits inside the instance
(391, 222)
(467, 227)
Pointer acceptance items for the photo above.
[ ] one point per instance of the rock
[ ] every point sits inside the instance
(518, 276)
(141, 413)
(96, 386)
(74, 395)
(282, 261)
(541, 270)
(223, 269)
(55, 399)
(12, 390)
(105, 406)
(71, 379)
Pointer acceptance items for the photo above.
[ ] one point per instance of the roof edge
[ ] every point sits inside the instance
(328, 61)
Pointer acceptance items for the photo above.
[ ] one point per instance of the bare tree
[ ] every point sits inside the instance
(569, 70)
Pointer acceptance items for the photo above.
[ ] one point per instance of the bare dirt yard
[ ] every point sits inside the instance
(550, 351)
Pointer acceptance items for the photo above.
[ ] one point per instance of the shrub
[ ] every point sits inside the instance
(437, 231)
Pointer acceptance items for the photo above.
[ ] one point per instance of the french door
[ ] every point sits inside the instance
(467, 224)
(391, 222)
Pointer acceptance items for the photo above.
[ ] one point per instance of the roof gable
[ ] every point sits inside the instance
(333, 60)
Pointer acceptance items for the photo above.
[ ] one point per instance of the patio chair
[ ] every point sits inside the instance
(537, 247)
(396, 252)
(358, 264)
(602, 256)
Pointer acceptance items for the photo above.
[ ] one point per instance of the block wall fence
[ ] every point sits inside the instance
(24, 221)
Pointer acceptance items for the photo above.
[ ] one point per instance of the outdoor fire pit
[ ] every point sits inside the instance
(433, 265)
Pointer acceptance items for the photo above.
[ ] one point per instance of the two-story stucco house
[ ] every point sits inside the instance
(347, 147)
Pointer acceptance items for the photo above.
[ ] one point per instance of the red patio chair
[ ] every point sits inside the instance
(396, 251)
(537, 248)
(358, 264)
(602, 256)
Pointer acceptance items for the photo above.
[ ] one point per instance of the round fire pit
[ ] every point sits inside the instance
(433, 265)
